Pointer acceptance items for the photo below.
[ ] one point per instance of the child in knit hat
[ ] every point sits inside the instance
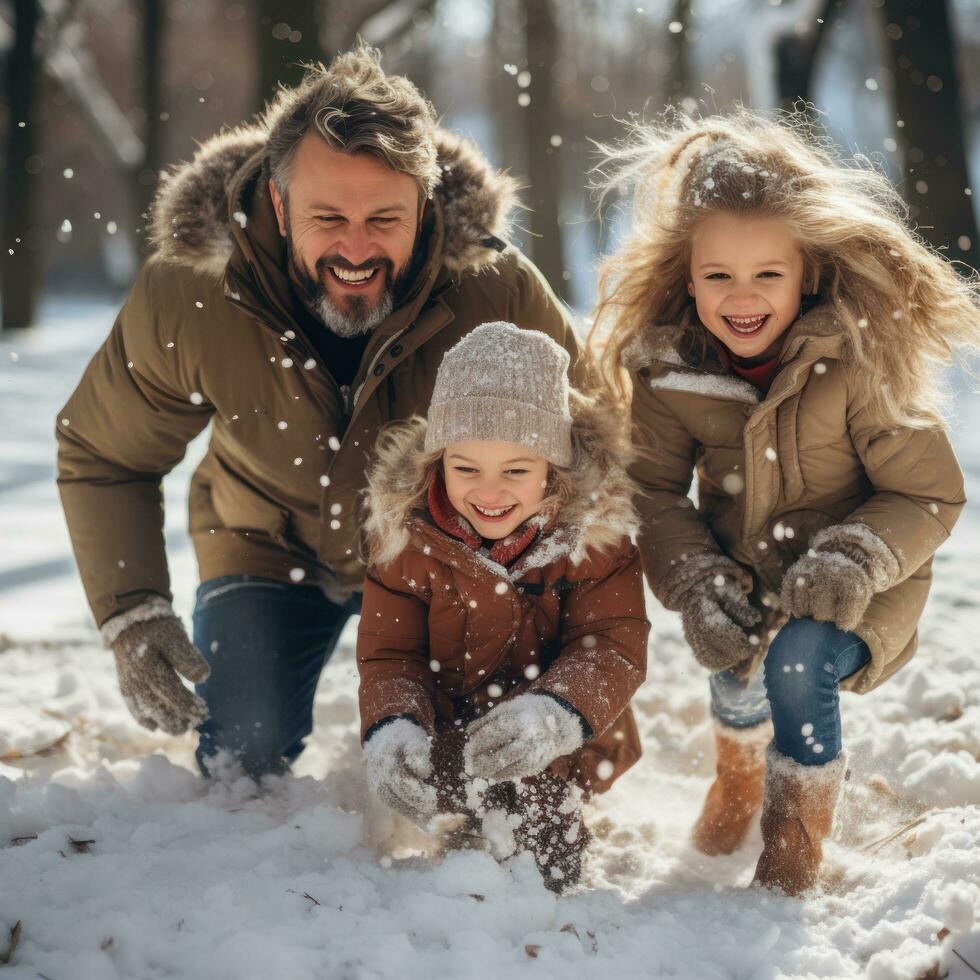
(503, 630)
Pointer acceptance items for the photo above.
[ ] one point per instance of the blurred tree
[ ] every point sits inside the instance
(287, 34)
(20, 266)
(153, 14)
(796, 57)
(542, 119)
(679, 86)
(506, 41)
(927, 101)
(292, 32)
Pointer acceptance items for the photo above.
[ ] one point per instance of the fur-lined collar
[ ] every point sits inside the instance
(190, 221)
(689, 345)
(597, 515)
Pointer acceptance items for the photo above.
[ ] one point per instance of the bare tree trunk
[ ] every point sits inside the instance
(153, 39)
(541, 121)
(21, 269)
(287, 34)
(505, 46)
(796, 58)
(927, 101)
(680, 75)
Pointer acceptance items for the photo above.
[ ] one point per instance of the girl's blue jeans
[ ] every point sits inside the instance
(798, 689)
(266, 642)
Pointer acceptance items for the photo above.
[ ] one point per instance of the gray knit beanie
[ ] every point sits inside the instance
(503, 384)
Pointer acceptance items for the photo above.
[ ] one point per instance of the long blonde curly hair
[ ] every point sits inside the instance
(902, 307)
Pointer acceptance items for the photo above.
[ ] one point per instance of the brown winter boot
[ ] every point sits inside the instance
(736, 794)
(797, 814)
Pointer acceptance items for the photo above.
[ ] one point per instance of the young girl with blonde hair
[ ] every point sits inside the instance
(778, 330)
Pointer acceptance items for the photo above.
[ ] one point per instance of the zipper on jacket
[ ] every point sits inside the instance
(295, 345)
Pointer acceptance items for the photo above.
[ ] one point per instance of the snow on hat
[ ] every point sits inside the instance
(503, 384)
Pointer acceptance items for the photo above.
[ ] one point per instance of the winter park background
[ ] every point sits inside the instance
(116, 859)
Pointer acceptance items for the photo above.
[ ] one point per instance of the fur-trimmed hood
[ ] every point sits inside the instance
(597, 515)
(191, 217)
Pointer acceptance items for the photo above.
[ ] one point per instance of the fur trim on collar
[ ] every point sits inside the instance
(712, 385)
(189, 223)
(655, 344)
(598, 513)
(679, 345)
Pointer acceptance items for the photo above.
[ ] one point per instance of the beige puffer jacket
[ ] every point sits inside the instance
(775, 471)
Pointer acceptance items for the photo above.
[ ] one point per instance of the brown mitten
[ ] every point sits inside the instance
(716, 615)
(836, 580)
(152, 648)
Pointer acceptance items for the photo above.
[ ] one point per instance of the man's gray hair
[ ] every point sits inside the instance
(356, 108)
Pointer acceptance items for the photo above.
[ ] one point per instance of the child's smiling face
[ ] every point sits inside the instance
(746, 278)
(495, 485)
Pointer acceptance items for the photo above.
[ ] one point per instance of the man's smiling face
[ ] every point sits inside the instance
(350, 224)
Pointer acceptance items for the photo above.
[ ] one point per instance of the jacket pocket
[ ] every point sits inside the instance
(241, 507)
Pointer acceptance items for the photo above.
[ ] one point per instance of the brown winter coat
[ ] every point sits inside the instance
(208, 335)
(773, 471)
(571, 606)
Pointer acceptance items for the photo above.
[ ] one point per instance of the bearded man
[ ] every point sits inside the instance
(309, 273)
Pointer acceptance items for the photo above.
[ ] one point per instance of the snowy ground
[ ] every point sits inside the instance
(118, 861)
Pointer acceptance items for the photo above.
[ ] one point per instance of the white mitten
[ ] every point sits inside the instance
(397, 758)
(521, 737)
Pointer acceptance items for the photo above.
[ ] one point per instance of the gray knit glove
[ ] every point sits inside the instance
(716, 615)
(836, 580)
(521, 737)
(152, 648)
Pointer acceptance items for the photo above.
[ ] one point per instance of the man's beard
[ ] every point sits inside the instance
(357, 317)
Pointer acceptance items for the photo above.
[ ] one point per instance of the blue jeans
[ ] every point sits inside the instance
(266, 642)
(798, 688)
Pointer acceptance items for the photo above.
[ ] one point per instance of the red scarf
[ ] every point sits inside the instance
(758, 374)
(448, 519)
